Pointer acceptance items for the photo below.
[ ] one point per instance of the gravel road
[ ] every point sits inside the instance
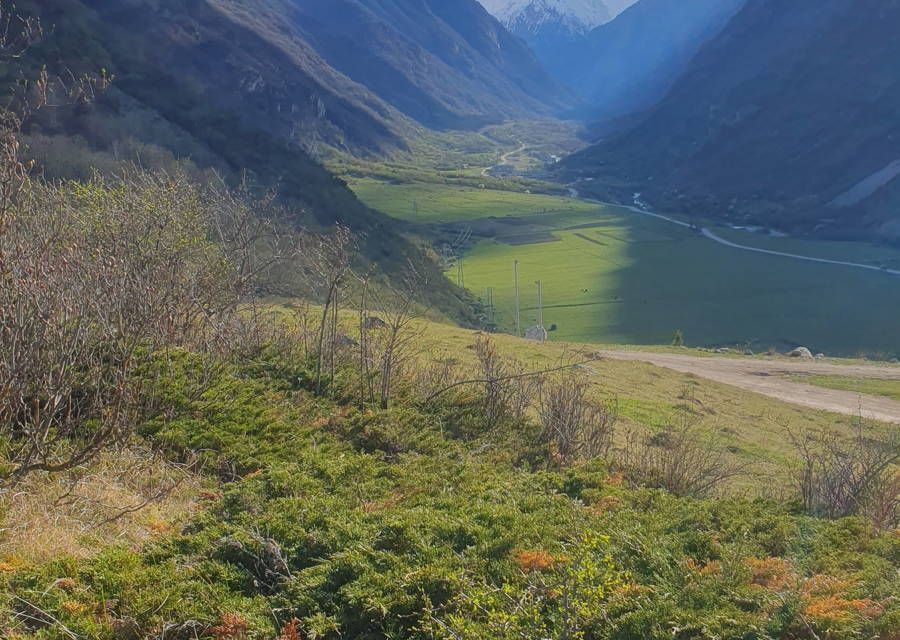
(769, 378)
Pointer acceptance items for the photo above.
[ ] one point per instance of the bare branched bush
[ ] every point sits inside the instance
(95, 278)
(436, 373)
(328, 265)
(678, 458)
(839, 476)
(575, 427)
(495, 373)
(509, 389)
(391, 337)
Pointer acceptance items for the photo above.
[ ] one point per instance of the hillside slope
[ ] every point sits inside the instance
(444, 64)
(192, 85)
(433, 521)
(787, 118)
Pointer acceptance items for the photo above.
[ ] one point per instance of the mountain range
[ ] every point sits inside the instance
(530, 17)
(618, 57)
(356, 75)
(787, 118)
(768, 111)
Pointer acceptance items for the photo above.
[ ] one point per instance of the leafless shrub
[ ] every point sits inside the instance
(435, 373)
(390, 338)
(839, 477)
(328, 265)
(96, 278)
(575, 427)
(678, 458)
(509, 388)
(523, 391)
(495, 373)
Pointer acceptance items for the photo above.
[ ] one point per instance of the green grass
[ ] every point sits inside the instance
(434, 203)
(860, 252)
(632, 279)
(421, 523)
(867, 386)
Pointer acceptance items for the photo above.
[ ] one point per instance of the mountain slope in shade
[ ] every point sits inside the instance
(444, 63)
(631, 62)
(788, 118)
(358, 75)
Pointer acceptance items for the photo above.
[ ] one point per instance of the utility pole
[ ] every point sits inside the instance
(516, 281)
(540, 304)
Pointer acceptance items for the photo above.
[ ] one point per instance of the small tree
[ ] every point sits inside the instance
(399, 308)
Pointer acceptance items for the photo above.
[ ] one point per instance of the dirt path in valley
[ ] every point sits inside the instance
(504, 158)
(769, 378)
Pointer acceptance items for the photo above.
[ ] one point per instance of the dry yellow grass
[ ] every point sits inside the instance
(126, 497)
(749, 427)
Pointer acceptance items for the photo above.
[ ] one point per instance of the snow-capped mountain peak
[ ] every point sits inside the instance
(533, 15)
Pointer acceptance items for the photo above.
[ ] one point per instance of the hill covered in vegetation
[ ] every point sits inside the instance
(441, 518)
(358, 473)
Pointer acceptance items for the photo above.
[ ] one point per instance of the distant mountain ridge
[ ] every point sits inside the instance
(787, 118)
(530, 17)
(548, 26)
(618, 56)
(443, 63)
(630, 63)
(357, 75)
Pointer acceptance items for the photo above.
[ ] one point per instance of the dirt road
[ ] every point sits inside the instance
(503, 159)
(769, 378)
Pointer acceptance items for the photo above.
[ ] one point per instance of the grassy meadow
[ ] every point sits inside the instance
(753, 429)
(867, 386)
(612, 276)
(438, 203)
